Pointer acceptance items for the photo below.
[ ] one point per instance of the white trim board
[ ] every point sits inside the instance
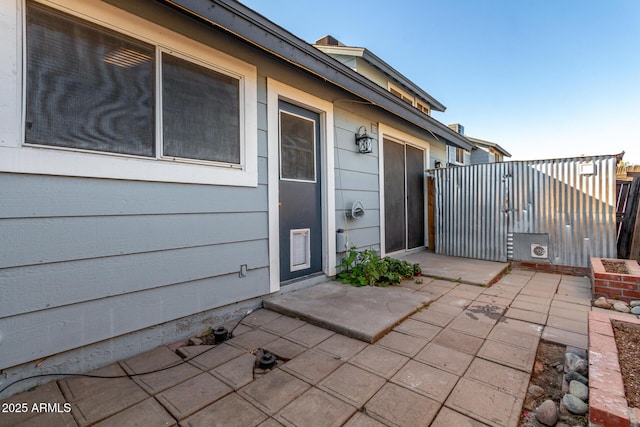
(277, 91)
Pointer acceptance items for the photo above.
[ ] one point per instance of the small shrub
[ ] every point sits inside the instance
(366, 268)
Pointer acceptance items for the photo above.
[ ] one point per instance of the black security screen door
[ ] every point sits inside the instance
(403, 196)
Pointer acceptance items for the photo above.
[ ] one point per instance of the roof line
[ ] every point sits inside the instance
(250, 26)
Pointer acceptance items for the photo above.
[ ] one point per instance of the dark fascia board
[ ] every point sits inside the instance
(255, 29)
(385, 68)
(489, 144)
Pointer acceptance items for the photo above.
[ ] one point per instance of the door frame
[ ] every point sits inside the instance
(398, 136)
(277, 91)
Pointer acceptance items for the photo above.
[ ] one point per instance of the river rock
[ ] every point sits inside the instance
(575, 405)
(634, 303)
(579, 390)
(574, 376)
(622, 307)
(636, 310)
(602, 303)
(547, 413)
(577, 351)
(535, 391)
(573, 362)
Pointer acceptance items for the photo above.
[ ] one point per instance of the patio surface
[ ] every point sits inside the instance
(466, 359)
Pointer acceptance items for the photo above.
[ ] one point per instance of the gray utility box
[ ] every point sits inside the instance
(531, 247)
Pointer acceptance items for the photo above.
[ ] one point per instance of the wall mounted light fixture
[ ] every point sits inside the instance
(364, 141)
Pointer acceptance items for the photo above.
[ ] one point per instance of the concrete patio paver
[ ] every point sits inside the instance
(352, 385)
(312, 366)
(485, 403)
(509, 355)
(146, 413)
(379, 361)
(215, 357)
(418, 329)
(228, 411)
(463, 360)
(308, 335)
(427, 380)
(361, 420)
(504, 378)
(284, 348)
(237, 372)
(192, 395)
(448, 418)
(406, 345)
(315, 408)
(459, 341)
(397, 406)
(455, 362)
(273, 392)
(433, 317)
(341, 347)
(527, 316)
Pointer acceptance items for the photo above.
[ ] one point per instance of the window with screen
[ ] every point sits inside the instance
(87, 87)
(196, 126)
(92, 88)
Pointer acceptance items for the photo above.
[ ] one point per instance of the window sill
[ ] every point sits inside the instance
(46, 161)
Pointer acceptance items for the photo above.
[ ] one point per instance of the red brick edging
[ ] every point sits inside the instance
(607, 403)
(625, 287)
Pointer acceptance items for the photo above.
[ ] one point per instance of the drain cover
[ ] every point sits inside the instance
(267, 361)
(220, 334)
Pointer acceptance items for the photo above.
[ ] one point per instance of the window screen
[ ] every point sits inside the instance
(200, 112)
(297, 147)
(87, 87)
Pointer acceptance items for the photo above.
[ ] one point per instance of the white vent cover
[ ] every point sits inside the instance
(539, 251)
(300, 252)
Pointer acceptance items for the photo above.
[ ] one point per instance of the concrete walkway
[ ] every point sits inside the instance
(466, 359)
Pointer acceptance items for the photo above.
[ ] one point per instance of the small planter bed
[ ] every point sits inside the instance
(613, 362)
(615, 278)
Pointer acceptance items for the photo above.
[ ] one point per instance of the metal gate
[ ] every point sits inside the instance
(560, 211)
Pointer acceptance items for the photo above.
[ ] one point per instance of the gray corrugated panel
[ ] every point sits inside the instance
(479, 208)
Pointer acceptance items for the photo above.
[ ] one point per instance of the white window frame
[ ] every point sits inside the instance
(17, 157)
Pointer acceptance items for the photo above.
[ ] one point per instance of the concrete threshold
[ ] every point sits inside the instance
(365, 313)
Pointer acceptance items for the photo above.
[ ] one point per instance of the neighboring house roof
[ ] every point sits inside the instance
(331, 46)
(255, 29)
(489, 144)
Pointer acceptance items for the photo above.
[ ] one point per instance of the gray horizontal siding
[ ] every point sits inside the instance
(46, 240)
(357, 178)
(41, 287)
(26, 196)
(34, 335)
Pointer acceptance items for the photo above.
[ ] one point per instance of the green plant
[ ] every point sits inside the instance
(366, 268)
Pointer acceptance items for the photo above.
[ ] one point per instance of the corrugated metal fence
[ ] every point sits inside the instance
(498, 211)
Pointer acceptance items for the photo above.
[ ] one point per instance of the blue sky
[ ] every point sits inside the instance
(544, 79)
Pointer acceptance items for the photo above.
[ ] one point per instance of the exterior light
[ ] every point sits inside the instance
(364, 141)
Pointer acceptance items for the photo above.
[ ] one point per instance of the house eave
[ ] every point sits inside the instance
(377, 62)
(250, 26)
(493, 145)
